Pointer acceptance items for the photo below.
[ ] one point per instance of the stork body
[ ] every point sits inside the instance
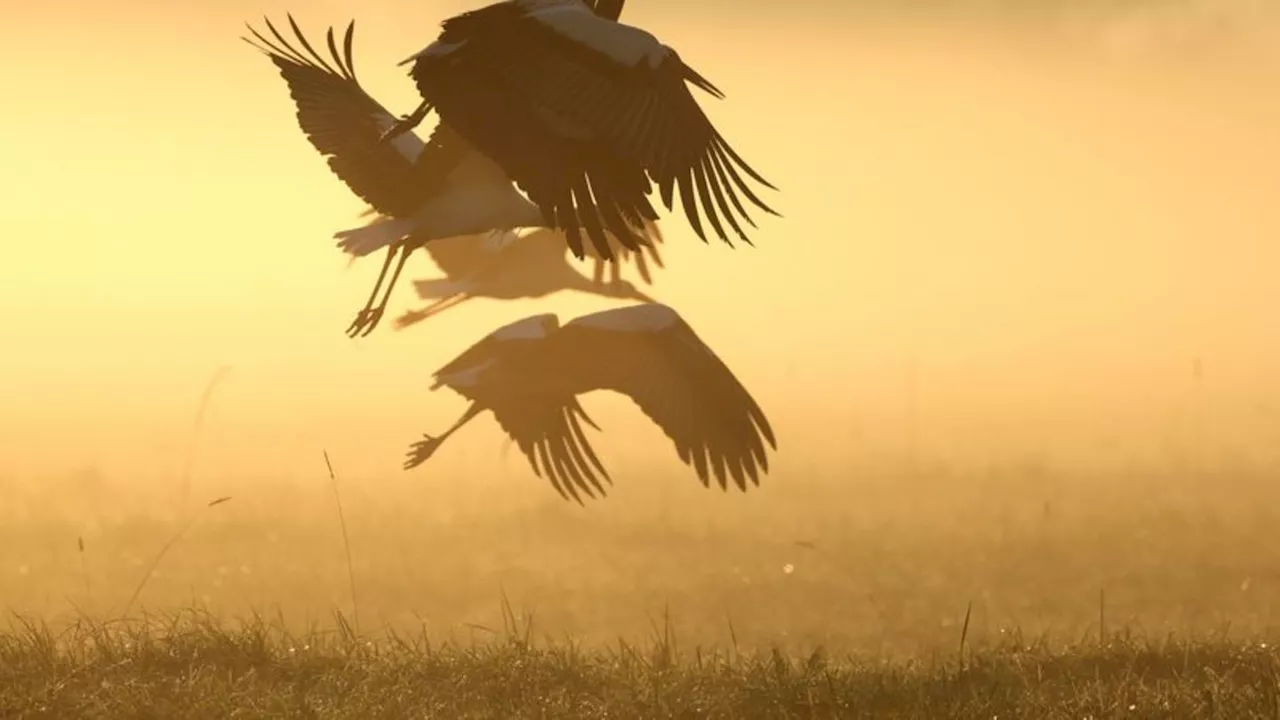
(421, 191)
(514, 267)
(531, 372)
(583, 112)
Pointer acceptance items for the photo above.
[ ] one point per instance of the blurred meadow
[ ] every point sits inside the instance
(1016, 332)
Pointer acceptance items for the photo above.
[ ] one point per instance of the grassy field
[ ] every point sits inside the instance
(813, 596)
(192, 666)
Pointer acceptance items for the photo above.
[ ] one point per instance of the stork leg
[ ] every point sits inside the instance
(386, 297)
(369, 319)
(412, 317)
(420, 451)
(406, 123)
(362, 317)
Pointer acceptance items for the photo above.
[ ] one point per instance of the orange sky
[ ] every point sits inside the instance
(1046, 240)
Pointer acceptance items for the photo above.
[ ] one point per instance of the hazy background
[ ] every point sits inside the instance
(1028, 236)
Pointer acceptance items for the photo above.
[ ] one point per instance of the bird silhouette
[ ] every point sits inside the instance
(583, 112)
(420, 191)
(511, 267)
(530, 373)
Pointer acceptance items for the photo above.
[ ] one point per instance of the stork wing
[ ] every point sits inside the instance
(650, 238)
(548, 431)
(608, 9)
(650, 354)
(545, 425)
(609, 103)
(344, 123)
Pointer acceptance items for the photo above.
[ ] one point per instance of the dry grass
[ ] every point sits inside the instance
(193, 666)
(877, 568)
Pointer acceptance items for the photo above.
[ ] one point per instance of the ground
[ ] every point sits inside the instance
(192, 666)
(1135, 594)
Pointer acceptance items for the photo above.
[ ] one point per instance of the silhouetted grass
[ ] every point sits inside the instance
(194, 665)
(924, 600)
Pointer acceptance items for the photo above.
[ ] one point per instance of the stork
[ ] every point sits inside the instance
(530, 373)
(420, 191)
(583, 112)
(512, 267)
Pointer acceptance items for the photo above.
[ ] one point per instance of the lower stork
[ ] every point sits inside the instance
(530, 373)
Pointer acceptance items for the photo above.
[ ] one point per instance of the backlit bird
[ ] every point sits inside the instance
(420, 191)
(513, 267)
(583, 112)
(531, 372)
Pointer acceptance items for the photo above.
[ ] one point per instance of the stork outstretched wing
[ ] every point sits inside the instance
(583, 113)
(344, 124)
(649, 353)
(550, 436)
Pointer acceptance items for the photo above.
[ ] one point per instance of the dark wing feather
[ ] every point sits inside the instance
(577, 181)
(608, 121)
(546, 424)
(548, 431)
(650, 238)
(344, 124)
(715, 424)
(342, 121)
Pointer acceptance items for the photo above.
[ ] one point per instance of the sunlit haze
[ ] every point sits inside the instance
(1008, 243)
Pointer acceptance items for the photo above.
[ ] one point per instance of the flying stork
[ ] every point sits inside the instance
(508, 266)
(530, 373)
(583, 112)
(419, 191)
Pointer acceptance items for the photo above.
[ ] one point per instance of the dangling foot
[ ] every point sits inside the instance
(420, 451)
(366, 320)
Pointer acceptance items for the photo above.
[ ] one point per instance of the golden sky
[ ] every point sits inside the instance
(996, 234)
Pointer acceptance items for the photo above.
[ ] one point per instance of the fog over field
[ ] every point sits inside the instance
(1015, 331)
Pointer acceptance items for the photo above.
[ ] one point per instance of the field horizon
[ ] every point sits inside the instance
(884, 561)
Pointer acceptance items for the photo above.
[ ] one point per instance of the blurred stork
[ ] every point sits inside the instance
(513, 267)
(420, 191)
(583, 112)
(530, 373)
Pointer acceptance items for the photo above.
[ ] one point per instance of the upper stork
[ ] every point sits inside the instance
(421, 191)
(530, 373)
(584, 113)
